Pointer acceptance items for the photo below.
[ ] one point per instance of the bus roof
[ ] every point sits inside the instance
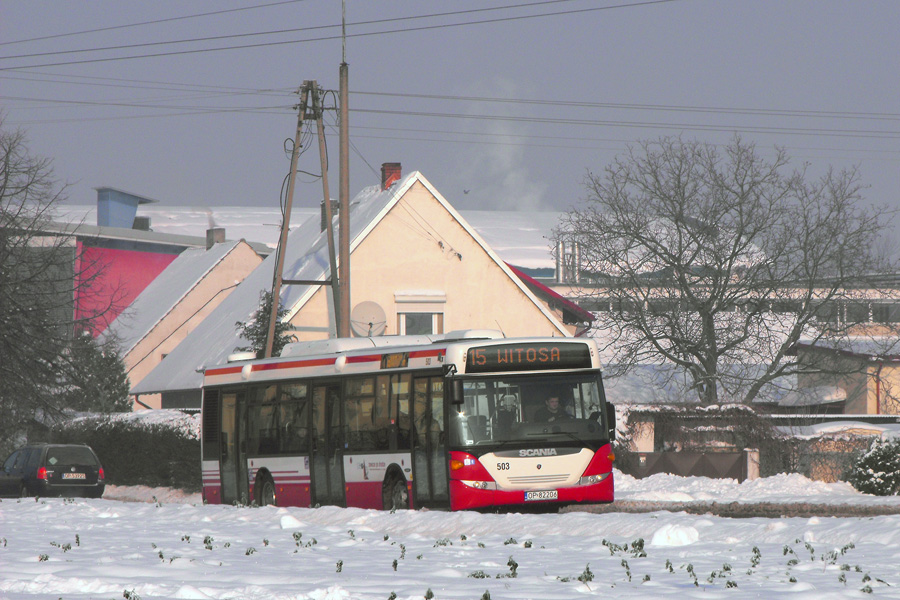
(345, 356)
(348, 344)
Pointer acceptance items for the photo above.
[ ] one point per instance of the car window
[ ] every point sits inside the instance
(10, 461)
(34, 458)
(70, 455)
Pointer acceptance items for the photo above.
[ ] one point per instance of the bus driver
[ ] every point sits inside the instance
(550, 412)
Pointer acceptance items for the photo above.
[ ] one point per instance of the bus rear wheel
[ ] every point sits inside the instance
(396, 496)
(265, 491)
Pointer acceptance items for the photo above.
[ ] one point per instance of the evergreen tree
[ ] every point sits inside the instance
(94, 379)
(878, 470)
(256, 328)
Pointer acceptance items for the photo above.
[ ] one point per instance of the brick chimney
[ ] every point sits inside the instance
(390, 172)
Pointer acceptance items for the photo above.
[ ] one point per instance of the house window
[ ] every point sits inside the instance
(420, 311)
(857, 312)
(416, 323)
(886, 313)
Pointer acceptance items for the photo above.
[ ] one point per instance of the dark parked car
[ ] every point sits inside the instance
(52, 470)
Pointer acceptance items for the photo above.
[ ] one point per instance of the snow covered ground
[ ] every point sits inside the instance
(160, 544)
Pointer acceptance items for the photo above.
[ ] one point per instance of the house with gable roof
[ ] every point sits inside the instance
(862, 378)
(417, 267)
(174, 303)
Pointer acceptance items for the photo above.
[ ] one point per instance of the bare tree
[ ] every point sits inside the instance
(40, 277)
(714, 263)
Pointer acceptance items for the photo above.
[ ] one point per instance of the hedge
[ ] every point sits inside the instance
(138, 453)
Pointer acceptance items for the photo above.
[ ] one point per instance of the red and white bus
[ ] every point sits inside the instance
(454, 421)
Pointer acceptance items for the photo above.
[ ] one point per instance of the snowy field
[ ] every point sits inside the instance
(128, 545)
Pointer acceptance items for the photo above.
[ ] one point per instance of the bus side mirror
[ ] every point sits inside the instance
(456, 392)
(611, 420)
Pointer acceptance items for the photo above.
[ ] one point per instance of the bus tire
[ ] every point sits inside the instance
(395, 494)
(265, 491)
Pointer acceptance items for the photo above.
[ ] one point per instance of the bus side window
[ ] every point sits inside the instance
(437, 403)
(294, 417)
(400, 391)
(358, 404)
(421, 412)
(262, 421)
(381, 419)
(318, 431)
(266, 441)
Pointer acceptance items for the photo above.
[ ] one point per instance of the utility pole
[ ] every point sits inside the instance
(309, 91)
(340, 273)
(344, 188)
(285, 223)
(336, 290)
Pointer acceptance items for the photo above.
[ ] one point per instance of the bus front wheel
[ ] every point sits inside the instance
(396, 496)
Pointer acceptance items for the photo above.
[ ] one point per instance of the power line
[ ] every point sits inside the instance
(526, 136)
(141, 84)
(183, 18)
(270, 32)
(633, 106)
(124, 104)
(813, 131)
(334, 37)
(231, 90)
(605, 123)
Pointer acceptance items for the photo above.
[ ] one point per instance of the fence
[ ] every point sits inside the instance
(718, 465)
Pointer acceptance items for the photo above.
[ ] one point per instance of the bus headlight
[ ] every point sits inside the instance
(592, 479)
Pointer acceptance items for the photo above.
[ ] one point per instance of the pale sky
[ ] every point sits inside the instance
(503, 108)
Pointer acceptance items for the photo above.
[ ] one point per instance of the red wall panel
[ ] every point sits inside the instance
(110, 280)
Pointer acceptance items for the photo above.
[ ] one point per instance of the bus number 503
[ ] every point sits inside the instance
(503, 466)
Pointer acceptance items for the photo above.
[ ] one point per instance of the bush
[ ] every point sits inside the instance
(878, 469)
(138, 453)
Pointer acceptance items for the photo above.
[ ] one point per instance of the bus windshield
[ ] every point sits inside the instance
(530, 409)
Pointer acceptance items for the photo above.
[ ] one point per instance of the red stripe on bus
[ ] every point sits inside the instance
(361, 359)
(316, 362)
(426, 353)
(224, 371)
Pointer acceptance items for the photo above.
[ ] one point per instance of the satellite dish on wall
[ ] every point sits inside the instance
(367, 319)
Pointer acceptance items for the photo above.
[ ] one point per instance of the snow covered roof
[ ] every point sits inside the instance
(521, 238)
(884, 348)
(306, 259)
(164, 293)
(575, 312)
(813, 396)
(838, 428)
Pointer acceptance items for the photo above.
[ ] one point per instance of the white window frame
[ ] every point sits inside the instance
(420, 302)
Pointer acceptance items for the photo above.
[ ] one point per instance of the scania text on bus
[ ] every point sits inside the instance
(457, 421)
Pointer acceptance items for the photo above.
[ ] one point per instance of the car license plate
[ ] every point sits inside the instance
(541, 495)
(74, 476)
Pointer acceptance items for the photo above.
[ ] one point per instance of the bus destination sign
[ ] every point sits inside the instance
(527, 357)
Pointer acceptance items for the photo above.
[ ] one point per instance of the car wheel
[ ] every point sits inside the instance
(23, 491)
(396, 496)
(265, 492)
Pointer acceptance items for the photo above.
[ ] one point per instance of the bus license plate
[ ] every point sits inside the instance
(74, 476)
(541, 495)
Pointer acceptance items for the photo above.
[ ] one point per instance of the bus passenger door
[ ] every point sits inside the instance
(429, 441)
(233, 460)
(327, 454)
